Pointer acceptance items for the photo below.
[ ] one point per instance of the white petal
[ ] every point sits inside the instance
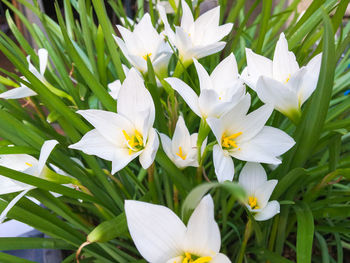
(114, 88)
(278, 94)
(203, 235)
(257, 66)
(167, 147)
(33, 70)
(184, 44)
(187, 17)
(203, 51)
(271, 209)
(18, 162)
(225, 72)
(248, 79)
(93, 143)
(252, 177)
(223, 164)
(220, 258)
(122, 47)
(295, 81)
(284, 61)
(265, 147)
(205, 81)
(151, 148)
(43, 59)
(186, 92)
(210, 104)
(45, 152)
(11, 204)
(181, 137)
(135, 100)
(10, 186)
(168, 31)
(156, 231)
(18, 93)
(253, 123)
(109, 124)
(264, 191)
(121, 158)
(176, 260)
(310, 79)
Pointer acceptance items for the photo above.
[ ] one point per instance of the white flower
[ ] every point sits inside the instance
(244, 137)
(281, 82)
(145, 42)
(23, 91)
(219, 92)
(161, 237)
(254, 181)
(182, 149)
(26, 164)
(196, 39)
(121, 137)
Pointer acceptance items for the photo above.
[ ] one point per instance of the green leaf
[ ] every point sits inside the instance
(16, 243)
(12, 259)
(305, 232)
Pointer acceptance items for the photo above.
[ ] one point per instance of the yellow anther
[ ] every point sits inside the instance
(127, 137)
(287, 79)
(147, 55)
(203, 260)
(29, 164)
(228, 142)
(253, 202)
(181, 154)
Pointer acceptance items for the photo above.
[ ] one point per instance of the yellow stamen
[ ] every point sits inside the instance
(188, 259)
(29, 164)
(253, 202)
(288, 78)
(147, 55)
(181, 154)
(135, 142)
(228, 142)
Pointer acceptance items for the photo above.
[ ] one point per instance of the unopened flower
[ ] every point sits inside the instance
(254, 181)
(196, 39)
(145, 42)
(161, 237)
(219, 91)
(26, 164)
(123, 136)
(280, 81)
(23, 91)
(182, 149)
(245, 137)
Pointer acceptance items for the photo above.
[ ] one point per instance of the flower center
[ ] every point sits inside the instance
(147, 55)
(135, 142)
(228, 141)
(193, 259)
(253, 202)
(181, 154)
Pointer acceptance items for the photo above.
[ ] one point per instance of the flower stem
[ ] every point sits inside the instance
(247, 233)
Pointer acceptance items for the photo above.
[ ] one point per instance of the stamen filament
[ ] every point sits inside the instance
(181, 154)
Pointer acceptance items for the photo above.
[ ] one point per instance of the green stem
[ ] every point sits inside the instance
(247, 233)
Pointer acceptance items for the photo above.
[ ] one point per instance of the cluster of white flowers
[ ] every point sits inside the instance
(223, 106)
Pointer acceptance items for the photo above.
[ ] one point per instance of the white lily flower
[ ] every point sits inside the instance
(161, 237)
(123, 136)
(196, 39)
(23, 91)
(244, 137)
(219, 92)
(182, 149)
(26, 164)
(280, 81)
(145, 42)
(254, 181)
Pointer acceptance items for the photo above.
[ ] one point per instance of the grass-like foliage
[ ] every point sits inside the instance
(171, 109)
